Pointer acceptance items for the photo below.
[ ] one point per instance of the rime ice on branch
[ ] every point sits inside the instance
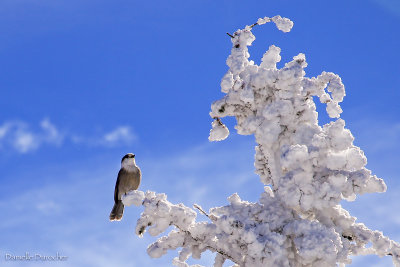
(307, 169)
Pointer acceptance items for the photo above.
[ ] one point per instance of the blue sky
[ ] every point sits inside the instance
(84, 82)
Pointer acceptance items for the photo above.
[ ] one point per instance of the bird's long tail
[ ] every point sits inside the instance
(117, 211)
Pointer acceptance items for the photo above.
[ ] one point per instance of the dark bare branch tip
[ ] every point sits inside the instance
(251, 26)
(218, 120)
(230, 35)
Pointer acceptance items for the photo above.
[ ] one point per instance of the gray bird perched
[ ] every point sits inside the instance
(129, 177)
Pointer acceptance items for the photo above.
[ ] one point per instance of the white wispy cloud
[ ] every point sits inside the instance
(121, 135)
(23, 138)
(51, 133)
(19, 136)
(25, 141)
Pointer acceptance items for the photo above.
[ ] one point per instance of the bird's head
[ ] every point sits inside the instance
(128, 160)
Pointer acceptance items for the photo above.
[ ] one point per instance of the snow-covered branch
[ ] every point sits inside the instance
(255, 234)
(306, 169)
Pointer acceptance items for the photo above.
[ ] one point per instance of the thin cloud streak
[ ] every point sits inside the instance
(122, 134)
(21, 138)
(18, 136)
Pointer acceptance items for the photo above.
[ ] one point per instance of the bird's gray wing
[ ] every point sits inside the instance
(116, 187)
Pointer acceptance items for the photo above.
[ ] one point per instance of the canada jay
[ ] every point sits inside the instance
(128, 179)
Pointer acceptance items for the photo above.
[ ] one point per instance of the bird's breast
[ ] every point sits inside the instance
(128, 181)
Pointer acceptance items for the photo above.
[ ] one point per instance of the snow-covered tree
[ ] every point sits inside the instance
(306, 169)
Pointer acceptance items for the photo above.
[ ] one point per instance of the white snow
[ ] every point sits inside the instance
(218, 132)
(306, 170)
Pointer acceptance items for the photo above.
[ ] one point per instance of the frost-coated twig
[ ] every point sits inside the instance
(159, 214)
(211, 217)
